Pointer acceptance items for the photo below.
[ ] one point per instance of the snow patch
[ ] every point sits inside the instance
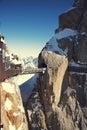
(16, 62)
(34, 125)
(69, 90)
(23, 78)
(52, 45)
(36, 106)
(2, 40)
(82, 63)
(73, 63)
(20, 107)
(8, 104)
(70, 9)
(16, 114)
(36, 95)
(11, 127)
(65, 33)
(8, 87)
(83, 33)
(30, 113)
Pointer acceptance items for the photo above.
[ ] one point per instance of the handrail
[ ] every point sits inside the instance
(71, 68)
(33, 70)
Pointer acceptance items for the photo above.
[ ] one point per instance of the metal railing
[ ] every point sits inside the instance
(33, 70)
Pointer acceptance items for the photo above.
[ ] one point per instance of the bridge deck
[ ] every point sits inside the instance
(79, 69)
(34, 70)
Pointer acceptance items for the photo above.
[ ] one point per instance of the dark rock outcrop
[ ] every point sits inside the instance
(80, 49)
(71, 19)
(76, 19)
(67, 44)
(83, 24)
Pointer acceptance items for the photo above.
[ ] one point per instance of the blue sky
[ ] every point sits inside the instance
(28, 24)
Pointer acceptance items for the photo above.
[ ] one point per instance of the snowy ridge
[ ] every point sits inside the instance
(70, 9)
(65, 33)
(52, 45)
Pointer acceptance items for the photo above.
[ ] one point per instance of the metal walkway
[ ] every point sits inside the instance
(33, 70)
(71, 68)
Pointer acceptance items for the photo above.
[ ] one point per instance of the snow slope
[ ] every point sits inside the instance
(27, 85)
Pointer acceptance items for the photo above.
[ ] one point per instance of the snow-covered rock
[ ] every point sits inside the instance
(12, 111)
(53, 45)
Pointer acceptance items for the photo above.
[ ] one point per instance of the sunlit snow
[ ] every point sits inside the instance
(11, 127)
(69, 90)
(16, 62)
(7, 86)
(8, 104)
(65, 33)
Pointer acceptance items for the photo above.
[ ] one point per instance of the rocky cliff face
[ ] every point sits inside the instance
(12, 110)
(59, 100)
(76, 18)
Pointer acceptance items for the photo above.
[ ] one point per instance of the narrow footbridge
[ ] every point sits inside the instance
(33, 70)
(71, 68)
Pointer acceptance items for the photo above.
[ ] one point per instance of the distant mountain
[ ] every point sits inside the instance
(29, 62)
